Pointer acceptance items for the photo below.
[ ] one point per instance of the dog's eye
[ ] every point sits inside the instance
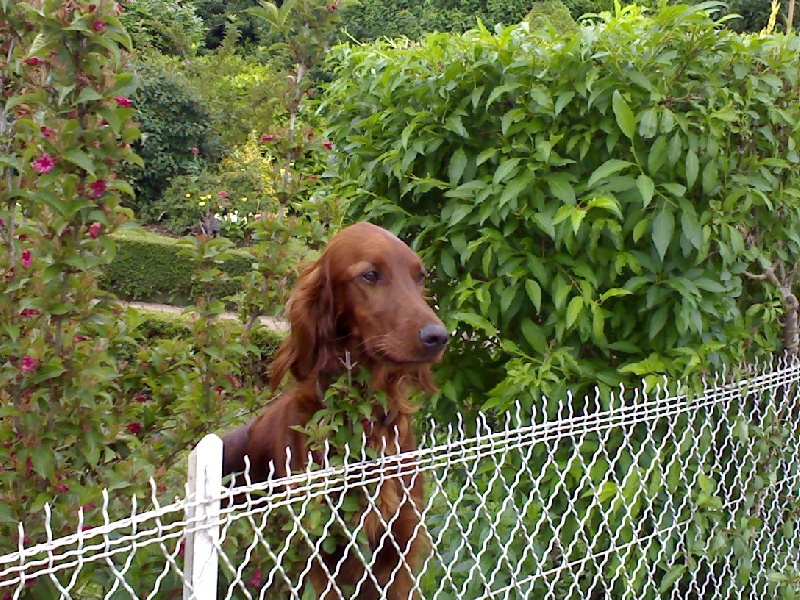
(371, 276)
(422, 276)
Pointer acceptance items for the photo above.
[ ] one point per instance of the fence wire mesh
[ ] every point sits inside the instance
(665, 494)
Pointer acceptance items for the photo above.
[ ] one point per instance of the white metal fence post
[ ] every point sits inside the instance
(202, 516)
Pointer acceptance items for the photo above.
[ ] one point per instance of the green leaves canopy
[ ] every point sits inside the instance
(588, 201)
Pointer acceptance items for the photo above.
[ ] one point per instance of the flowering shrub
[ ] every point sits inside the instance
(219, 200)
(65, 132)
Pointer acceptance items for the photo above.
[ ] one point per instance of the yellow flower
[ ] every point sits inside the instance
(201, 203)
(188, 195)
(243, 199)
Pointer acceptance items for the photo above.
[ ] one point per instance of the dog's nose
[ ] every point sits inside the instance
(434, 337)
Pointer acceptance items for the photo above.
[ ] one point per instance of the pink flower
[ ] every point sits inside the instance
(141, 398)
(312, 177)
(94, 230)
(98, 187)
(332, 7)
(28, 364)
(2, 223)
(44, 164)
(92, 7)
(29, 312)
(47, 131)
(328, 145)
(257, 218)
(123, 101)
(62, 488)
(27, 258)
(98, 26)
(195, 150)
(33, 61)
(222, 194)
(120, 8)
(135, 428)
(267, 138)
(255, 580)
(79, 338)
(89, 506)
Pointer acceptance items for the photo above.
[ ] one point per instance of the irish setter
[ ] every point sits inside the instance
(363, 298)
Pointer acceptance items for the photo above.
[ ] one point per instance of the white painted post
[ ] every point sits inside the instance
(202, 537)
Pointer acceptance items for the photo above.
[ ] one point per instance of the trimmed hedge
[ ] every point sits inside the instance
(149, 268)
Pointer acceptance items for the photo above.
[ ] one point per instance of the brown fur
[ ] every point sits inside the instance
(385, 326)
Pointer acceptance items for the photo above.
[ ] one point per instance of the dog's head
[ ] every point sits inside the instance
(365, 295)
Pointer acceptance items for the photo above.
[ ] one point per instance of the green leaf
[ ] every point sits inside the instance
(663, 228)
(691, 229)
(574, 310)
(646, 189)
(613, 293)
(562, 289)
(608, 168)
(658, 320)
(477, 321)
(640, 229)
(77, 157)
(458, 163)
(514, 188)
(606, 203)
(505, 169)
(625, 117)
(534, 335)
(692, 168)
(561, 188)
(671, 577)
(534, 291)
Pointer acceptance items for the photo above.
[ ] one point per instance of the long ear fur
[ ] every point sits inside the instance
(311, 314)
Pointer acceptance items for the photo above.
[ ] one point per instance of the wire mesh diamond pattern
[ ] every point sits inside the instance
(673, 493)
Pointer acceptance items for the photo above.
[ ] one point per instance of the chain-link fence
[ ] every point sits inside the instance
(665, 494)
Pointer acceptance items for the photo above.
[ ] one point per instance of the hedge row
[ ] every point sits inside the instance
(149, 268)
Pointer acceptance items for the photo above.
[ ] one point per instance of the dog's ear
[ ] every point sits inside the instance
(312, 319)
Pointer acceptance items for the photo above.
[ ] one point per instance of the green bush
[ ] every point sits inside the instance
(246, 89)
(180, 135)
(590, 202)
(551, 13)
(374, 19)
(154, 325)
(218, 15)
(149, 268)
(169, 26)
(229, 196)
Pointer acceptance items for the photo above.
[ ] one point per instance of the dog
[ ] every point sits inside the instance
(362, 302)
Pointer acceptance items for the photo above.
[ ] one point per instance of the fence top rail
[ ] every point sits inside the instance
(457, 448)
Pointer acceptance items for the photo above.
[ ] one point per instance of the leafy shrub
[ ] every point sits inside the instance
(179, 132)
(230, 195)
(219, 15)
(169, 26)
(552, 13)
(374, 19)
(246, 89)
(589, 220)
(149, 268)
(154, 326)
(66, 130)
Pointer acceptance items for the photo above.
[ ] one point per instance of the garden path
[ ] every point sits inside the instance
(271, 322)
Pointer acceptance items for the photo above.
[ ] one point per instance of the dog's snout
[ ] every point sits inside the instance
(433, 337)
